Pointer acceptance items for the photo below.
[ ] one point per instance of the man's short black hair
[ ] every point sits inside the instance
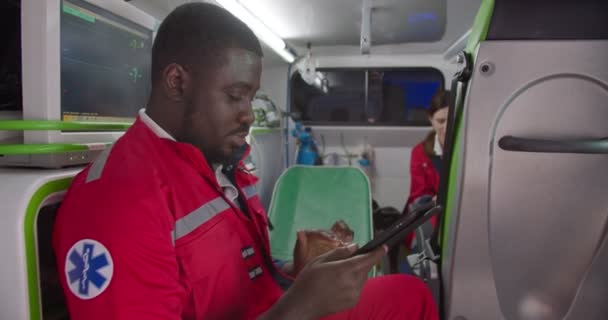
(195, 34)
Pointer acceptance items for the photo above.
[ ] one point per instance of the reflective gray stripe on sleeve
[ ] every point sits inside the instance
(250, 191)
(96, 168)
(194, 219)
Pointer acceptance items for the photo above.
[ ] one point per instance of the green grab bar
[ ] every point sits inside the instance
(26, 149)
(45, 125)
(261, 130)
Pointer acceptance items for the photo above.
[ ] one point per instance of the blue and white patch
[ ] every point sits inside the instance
(88, 269)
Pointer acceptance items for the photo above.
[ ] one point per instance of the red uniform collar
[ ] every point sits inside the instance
(186, 151)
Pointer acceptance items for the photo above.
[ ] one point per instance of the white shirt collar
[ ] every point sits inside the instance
(152, 125)
(230, 191)
(437, 146)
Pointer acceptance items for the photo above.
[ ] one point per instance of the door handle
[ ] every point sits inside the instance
(582, 146)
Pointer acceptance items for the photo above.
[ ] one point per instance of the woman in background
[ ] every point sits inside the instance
(426, 160)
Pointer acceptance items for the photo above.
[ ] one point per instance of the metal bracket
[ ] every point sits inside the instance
(466, 61)
(428, 251)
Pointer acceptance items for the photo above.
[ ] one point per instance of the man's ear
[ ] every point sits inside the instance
(177, 82)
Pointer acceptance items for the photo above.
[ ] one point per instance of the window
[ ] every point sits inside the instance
(384, 97)
(10, 56)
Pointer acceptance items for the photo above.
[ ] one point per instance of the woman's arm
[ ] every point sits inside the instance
(419, 183)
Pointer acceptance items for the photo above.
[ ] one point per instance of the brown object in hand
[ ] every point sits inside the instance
(322, 241)
(342, 231)
(313, 243)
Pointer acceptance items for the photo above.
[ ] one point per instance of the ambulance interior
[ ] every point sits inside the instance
(345, 92)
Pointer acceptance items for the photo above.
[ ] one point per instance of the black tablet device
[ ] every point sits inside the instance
(400, 229)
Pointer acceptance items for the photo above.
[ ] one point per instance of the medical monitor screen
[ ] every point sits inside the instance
(105, 64)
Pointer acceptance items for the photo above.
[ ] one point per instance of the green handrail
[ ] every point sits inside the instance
(45, 125)
(481, 24)
(261, 130)
(22, 149)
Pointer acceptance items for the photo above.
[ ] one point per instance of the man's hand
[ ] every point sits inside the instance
(330, 283)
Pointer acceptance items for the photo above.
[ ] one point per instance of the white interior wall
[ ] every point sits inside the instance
(269, 163)
(392, 182)
(390, 179)
(274, 83)
(392, 146)
(269, 148)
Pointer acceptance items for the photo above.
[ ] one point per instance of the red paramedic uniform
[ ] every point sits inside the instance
(424, 176)
(424, 179)
(146, 232)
